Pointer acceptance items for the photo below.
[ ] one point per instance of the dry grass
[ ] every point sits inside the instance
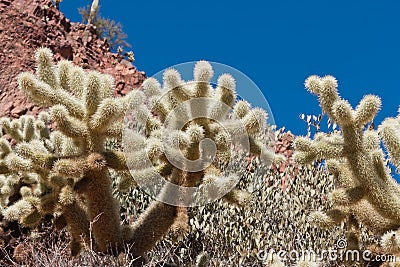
(51, 248)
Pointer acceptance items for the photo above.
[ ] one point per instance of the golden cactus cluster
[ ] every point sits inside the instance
(65, 173)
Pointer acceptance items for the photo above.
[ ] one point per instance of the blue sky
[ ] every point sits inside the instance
(278, 44)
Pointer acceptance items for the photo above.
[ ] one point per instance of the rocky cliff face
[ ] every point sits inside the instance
(26, 25)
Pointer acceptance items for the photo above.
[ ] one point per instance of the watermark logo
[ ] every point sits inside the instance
(341, 244)
(337, 254)
(181, 122)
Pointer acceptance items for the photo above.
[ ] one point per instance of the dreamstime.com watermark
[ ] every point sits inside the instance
(338, 254)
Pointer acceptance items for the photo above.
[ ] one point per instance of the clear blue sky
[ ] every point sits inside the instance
(278, 44)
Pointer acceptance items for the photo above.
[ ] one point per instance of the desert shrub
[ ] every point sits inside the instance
(105, 28)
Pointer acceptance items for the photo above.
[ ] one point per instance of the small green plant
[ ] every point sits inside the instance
(105, 27)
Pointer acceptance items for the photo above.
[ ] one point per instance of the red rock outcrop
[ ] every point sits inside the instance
(26, 25)
(284, 146)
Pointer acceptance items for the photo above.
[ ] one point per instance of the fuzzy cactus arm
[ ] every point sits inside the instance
(329, 218)
(152, 225)
(367, 109)
(5, 148)
(115, 160)
(101, 205)
(237, 197)
(92, 94)
(181, 224)
(226, 90)
(28, 131)
(152, 89)
(367, 214)
(74, 216)
(77, 81)
(202, 73)
(106, 113)
(5, 125)
(254, 121)
(45, 88)
(63, 72)
(110, 111)
(114, 130)
(31, 220)
(40, 159)
(45, 70)
(5, 151)
(69, 168)
(323, 147)
(342, 173)
(43, 94)
(16, 131)
(389, 130)
(226, 96)
(174, 82)
(159, 107)
(59, 96)
(326, 90)
(138, 160)
(67, 124)
(347, 196)
(16, 163)
(241, 109)
(78, 223)
(18, 210)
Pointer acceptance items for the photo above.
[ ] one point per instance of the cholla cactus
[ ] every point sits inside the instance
(20, 180)
(22, 130)
(365, 192)
(70, 167)
(27, 191)
(71, 163)
(94, 9)
(391, 242)
(189, 130)
(179, 139)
